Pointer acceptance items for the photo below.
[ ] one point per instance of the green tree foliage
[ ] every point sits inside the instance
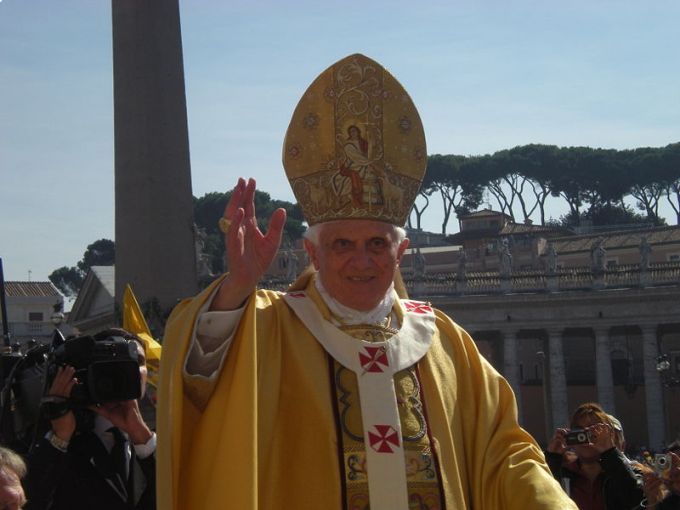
(68, 280)
(594, 182)
(669, 171)
(459, 188)
(99, 253)
(610, 214)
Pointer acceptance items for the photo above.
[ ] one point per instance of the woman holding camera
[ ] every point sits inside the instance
(598, 475)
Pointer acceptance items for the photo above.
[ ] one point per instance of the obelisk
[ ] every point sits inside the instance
(154, 206)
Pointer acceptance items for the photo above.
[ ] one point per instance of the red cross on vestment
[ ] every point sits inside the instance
(373, 358)
(382, 438)
(416, 307)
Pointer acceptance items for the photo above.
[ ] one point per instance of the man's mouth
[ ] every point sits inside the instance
(360, 278)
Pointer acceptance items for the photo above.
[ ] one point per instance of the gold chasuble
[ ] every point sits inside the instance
(281, 426)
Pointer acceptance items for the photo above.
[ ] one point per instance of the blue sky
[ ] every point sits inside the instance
(485, 76)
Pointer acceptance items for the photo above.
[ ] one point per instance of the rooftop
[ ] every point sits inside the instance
(614, 240)
(31, 289)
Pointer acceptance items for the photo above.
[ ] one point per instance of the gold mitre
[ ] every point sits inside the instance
(355, 147)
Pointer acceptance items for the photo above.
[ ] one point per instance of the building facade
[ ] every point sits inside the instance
(33, 308)
(569, 318)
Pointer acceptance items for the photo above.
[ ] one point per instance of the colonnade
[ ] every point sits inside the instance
(555, 380)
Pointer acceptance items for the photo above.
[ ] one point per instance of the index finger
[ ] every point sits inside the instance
(236, 199)
(249, 199)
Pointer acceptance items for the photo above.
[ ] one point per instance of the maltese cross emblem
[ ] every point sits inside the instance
(373, 359)
(383, 438)
(416, 307)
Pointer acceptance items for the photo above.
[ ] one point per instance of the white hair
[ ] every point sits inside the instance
(313, 233)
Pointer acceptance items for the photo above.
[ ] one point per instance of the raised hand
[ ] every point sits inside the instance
(557, 444)
(673, 481)
(249, 251)
(602, 436)
(127, 417)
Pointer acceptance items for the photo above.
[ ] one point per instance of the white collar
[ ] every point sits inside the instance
(350, 316)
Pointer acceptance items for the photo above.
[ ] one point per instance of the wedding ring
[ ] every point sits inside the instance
(224, 225)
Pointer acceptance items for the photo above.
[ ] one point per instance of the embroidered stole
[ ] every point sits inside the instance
(381, 419)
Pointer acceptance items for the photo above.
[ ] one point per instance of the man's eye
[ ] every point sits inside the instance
(340, 244)
(378, 243)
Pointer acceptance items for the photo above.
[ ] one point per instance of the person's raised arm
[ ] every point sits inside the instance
(249, 251)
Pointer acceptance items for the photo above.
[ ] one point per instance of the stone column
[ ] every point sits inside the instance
(603, 370)
(656, 421)
(154, 205)
(558, 381)
(511, 367)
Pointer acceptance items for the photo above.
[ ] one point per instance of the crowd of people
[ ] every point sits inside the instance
(589, 459)
(99, 456)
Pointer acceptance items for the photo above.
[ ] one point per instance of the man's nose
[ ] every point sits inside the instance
(362, 258)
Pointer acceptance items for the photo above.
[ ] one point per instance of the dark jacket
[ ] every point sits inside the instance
(80, 479)
(619, 487)
(672, 502)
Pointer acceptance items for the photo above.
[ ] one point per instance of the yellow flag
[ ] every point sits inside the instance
(134, 322)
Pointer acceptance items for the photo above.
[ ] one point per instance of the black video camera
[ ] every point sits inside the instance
(577, 436)
(107, 369)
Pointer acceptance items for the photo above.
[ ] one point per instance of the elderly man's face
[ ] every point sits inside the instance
(11, 493)
(356, 260)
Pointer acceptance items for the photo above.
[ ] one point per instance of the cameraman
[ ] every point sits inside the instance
(600, 477)
(102, 457)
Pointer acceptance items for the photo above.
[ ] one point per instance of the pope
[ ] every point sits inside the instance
(340, 393)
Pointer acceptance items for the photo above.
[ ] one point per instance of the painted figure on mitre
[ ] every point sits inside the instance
(357, 177)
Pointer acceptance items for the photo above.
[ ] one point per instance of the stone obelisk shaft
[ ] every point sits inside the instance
(154, 209)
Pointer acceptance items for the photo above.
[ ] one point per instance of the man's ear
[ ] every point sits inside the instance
(311, 251)
(402, 248)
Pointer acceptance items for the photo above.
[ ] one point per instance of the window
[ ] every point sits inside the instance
(612, 263)
(673, 257)
(35, 316)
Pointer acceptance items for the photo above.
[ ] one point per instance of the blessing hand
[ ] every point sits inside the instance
(249, 251)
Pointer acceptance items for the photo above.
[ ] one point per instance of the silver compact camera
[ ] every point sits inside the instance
(662, 464)
(577, 436)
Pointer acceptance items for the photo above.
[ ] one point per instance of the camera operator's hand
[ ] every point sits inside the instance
(601, 436)
(673, 481)
(127, 417)
(64, 426)
(652, 486)
(558, 444)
